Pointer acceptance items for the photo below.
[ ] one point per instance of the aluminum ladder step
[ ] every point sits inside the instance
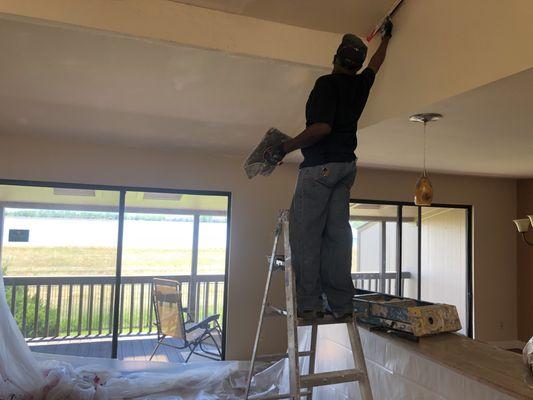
(307, 382)
(327, 319)
(280, 356)
(303, 393)
(331, 378)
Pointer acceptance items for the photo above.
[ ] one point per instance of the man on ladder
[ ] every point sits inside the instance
(317, 248)
(320, 233)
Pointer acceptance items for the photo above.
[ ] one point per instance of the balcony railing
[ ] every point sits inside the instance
(82, 306)
(378, 282)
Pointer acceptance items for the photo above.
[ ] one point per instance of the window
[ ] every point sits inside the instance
(79, 260)
(417, 252)
(374, 263)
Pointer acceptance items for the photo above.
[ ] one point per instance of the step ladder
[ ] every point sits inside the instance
(302, 385)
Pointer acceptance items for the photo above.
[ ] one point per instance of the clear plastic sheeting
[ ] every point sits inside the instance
(204, 381)
(24, 377)
(395, 372)
(19, 373)
(255, 164)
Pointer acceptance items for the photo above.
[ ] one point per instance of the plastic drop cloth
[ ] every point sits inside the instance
(395, 373)
(23, 377)
(255, 164)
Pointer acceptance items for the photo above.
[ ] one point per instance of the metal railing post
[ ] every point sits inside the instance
(118, 275)
(193, 284)
(383, 256)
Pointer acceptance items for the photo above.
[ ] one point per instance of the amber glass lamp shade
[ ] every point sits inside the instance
(423, 191)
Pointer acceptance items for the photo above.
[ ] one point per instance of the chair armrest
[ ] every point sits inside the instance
(204, 324)
(210, 319)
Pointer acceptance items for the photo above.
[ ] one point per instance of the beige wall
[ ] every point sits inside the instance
(525, 263)
(254, 207)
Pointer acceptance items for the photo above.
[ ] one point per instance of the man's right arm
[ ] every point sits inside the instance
(320, 115)
(312, 134)
(379, 56)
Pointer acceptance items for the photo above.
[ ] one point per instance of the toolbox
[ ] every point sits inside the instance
(406, 316)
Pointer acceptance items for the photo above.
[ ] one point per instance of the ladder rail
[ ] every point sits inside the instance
(303, 393)
(359, 360)
(312, 357)
(292, 324)
(277, 233)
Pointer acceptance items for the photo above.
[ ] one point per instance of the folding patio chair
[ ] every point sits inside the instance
(170, 322)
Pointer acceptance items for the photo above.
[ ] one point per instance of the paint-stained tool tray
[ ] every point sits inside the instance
(408, 316)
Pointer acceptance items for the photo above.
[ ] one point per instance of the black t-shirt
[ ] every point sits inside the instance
(337, 100)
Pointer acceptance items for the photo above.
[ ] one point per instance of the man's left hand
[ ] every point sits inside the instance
(274, 155)
(386, 29)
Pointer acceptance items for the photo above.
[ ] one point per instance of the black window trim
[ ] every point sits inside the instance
(122, 191)
(469, 271)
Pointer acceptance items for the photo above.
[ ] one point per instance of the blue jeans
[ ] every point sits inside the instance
(321, 236)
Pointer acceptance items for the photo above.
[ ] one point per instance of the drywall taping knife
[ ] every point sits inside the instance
(388, 15)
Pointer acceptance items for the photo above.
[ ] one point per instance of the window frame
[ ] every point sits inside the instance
(122, 190)
(399, 238)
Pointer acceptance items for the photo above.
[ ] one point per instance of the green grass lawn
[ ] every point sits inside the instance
(79, 261)
(100, 261)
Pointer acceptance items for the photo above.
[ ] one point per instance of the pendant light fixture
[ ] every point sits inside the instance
(424, 188)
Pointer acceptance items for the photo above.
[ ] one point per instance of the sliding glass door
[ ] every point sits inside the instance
(417, 252)
(174, 236)
(59, 250)
(79, 262)
(444, 257)
(374, 254)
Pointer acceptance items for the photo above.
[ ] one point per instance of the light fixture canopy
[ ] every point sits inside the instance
(425, 117)
(522, 224)
(424, 188)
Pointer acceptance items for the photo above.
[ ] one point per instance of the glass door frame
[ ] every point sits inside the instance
(122, 190)
(399, 230)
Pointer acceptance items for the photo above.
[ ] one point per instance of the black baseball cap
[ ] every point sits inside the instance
(351, 53)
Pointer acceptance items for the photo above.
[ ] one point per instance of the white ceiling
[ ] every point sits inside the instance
(90, 86)
(341, 16)
(485, 131)
(93, 86)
